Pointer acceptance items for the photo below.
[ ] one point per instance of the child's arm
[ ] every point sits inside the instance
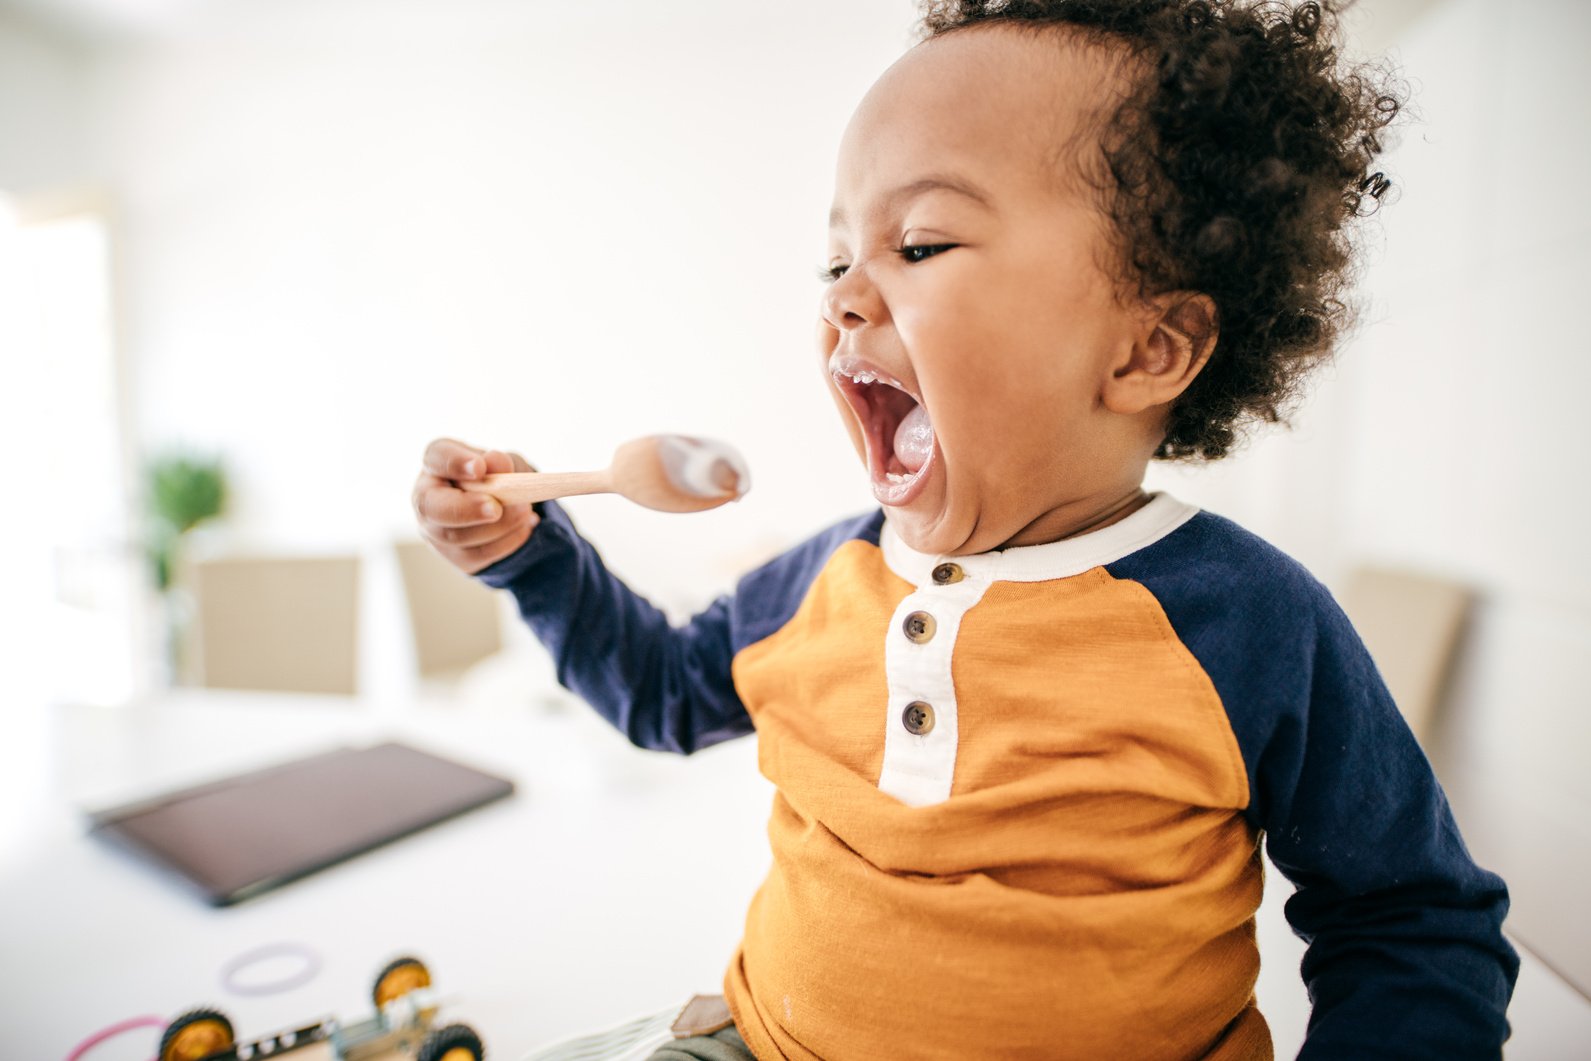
(665, 688)
(1406, 955)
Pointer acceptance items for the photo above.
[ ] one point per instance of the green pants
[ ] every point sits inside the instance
(725, 1045)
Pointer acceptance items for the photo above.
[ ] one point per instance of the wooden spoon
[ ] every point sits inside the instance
(669, 473)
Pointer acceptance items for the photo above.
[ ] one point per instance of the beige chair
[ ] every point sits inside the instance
(279, 623)
(454, 619)
(1411, 624)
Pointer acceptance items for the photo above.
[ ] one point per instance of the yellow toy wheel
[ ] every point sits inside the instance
(196, 1034)
(454, 1042)
(400, 976)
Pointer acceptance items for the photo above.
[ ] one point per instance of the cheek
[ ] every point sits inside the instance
(1012, 414)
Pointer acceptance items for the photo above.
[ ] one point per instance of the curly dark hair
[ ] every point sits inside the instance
(1234, 168)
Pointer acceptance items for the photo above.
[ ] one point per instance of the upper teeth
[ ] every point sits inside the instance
(864, 377)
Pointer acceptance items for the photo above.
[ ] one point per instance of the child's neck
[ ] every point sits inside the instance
(1080, 517)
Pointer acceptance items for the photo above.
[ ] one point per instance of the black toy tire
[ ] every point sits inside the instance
(188, 1020)
(451, 1037)
(396, 965)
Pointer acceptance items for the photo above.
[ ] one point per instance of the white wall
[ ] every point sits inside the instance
(352, 227)
(1485, 330)
(348, 227)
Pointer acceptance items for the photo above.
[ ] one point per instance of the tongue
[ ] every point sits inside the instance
(914, 439)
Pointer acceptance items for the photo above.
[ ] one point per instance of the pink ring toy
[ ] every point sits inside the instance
(113, 1030)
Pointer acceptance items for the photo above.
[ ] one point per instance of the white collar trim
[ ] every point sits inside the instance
(1041, 563)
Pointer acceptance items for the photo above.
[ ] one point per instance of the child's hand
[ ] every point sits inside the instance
(471, 531)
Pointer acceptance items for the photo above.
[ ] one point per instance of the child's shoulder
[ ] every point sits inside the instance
(802, 561)
(1255, 618)
(766, 597)
(1211, 563)
(1268, 634)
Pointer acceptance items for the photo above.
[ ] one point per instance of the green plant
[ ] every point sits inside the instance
(183, 491)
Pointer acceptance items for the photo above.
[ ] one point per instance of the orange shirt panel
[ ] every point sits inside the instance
(1087, 890)
(818, 681)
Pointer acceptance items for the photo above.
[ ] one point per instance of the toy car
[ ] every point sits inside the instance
(401, 1028)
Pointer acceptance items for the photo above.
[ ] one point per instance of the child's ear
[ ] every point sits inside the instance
(1181, 330)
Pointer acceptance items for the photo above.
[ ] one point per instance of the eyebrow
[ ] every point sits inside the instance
(921, 186)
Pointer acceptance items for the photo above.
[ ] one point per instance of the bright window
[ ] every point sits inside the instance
(74, 585)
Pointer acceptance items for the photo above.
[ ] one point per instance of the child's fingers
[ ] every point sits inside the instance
(481, 557)
(448, 458)
(515, 518)
(470, 530)
(447, 506)
(497, 462)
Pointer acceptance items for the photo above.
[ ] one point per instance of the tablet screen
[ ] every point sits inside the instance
(243, 835)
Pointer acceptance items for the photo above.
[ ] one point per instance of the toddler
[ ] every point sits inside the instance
(1027, 722)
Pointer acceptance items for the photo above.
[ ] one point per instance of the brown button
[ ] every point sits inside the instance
(945, 574)
(918, 717)
(919, 627)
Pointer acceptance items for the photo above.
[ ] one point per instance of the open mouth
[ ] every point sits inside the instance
(895, 427)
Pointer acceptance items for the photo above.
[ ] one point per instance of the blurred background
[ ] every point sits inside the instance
(254, 254)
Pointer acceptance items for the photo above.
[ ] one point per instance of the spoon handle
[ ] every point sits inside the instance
(518, 488)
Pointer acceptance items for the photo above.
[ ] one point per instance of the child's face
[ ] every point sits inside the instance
(975, 280)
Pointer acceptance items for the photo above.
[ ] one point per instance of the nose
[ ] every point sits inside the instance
(852, 301)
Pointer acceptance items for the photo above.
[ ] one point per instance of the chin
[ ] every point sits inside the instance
(928, 530)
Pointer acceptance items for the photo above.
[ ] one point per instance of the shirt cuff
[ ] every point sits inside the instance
(553, 537)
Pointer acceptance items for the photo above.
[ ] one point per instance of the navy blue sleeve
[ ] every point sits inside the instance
(667, 688)
(1406, 956)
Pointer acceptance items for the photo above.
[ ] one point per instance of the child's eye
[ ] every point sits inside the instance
(915, 253)
(921, 251)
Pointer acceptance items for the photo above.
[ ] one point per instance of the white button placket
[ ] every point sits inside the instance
(918, 768)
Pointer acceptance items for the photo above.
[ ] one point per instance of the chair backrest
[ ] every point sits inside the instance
(279, 623)
(454, 619)
(1411, 624)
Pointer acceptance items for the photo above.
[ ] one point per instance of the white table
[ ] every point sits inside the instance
(566, 907)
(613, 884)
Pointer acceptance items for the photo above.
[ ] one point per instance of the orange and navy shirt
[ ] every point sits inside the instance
(1020, 794)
